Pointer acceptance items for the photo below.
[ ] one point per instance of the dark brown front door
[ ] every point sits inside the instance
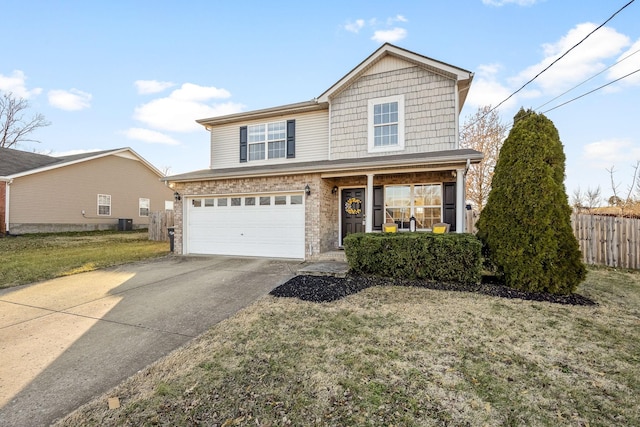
(352, 211)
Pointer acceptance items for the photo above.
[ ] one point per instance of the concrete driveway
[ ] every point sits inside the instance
(68, 340)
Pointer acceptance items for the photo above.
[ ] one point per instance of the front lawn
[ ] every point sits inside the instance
(400, 356)
(34, 257)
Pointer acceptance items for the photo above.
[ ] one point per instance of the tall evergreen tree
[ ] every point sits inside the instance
(526, 224)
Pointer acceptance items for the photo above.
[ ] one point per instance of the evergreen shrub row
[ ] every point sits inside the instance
(448, 257)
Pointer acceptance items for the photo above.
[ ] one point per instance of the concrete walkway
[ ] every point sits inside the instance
(68, 340)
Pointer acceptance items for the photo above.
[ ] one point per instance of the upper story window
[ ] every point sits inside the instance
(275, 140)
(386, 124)
(267, 141)
(104, 204)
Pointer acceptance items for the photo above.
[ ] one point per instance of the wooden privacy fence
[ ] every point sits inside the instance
(608, 240)
(158, 224)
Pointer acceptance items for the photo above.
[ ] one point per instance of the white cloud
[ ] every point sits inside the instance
(579, 64)
(486, 90)
(152, 86)
(516, 2)
(191, 92)
(397, 18)
(608, 152)
(178, 111)
(16, 84)
(391, 36)
(69, 100)
(355, 26)
(151, 136)
(628, 65)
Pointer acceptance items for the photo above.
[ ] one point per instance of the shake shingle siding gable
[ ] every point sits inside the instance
(429, 111)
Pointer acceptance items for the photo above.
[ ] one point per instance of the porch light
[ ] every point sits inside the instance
(307, 190)
(177, 196)
(412, 223)
(334, 190)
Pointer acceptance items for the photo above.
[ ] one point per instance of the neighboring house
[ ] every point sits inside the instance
(380, 145)
(91, 191)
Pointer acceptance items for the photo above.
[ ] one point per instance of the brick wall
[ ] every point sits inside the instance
(313, 202)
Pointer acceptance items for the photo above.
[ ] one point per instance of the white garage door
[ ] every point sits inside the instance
(263, 225)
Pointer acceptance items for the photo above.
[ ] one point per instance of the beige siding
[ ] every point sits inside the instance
(430, 118)
(386, 64)
(59, 196)
(311, 140)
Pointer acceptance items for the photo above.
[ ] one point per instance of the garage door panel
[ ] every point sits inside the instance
(260, 230)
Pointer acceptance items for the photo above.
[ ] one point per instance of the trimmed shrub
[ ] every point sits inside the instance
(526, 224)
(440, 257)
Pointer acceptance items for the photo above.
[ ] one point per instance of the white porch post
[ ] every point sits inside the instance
(460, 201)
(369, 205)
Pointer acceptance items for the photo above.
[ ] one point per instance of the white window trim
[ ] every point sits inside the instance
(98, 203)
(370, 132)
(266, 141)
(412, 198)
(140, 207)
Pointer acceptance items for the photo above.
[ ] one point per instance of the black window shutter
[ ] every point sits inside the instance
(449, 205)
(378, 208)
(291, 139)
(243, 144)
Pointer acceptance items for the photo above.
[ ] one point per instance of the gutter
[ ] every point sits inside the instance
(7, 197)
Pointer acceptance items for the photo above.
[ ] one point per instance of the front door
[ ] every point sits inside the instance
(352, 211)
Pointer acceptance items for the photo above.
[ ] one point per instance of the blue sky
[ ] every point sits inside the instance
(139, 73)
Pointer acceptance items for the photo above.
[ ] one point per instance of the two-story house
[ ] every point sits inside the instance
(379, 146)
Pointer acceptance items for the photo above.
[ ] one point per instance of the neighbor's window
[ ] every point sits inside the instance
(143, 206)
(423, 201)
(104, 204)
(267, 140)
(386, 123)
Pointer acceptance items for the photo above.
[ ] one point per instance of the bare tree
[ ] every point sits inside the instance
(624, 202)
(483, 132)
(15, 127)
(165, 170)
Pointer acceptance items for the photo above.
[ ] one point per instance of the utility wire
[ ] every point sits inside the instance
(591, 91)
(585, 81)
(510, 125)
(550, 65)
(562, 56)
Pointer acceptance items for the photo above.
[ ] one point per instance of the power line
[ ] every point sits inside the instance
(591, 91)
(589, 79)
(562, 56)
(550, 65)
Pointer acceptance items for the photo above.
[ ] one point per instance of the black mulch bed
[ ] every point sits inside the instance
(326, 289)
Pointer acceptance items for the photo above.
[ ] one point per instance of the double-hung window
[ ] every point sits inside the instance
(104, 204)
(386, 123)
(143, 206)
(267, 140)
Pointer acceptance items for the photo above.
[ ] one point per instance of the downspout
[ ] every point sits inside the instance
(7, 194)
(457, 114)
(329, 154)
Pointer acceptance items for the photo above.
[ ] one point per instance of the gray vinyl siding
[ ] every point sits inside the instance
(430, 119)
(59, 196)
(312, 130)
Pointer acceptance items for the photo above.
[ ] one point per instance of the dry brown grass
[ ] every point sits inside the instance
(400, 356)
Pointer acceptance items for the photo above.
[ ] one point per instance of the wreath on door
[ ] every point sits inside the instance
(351, 206)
